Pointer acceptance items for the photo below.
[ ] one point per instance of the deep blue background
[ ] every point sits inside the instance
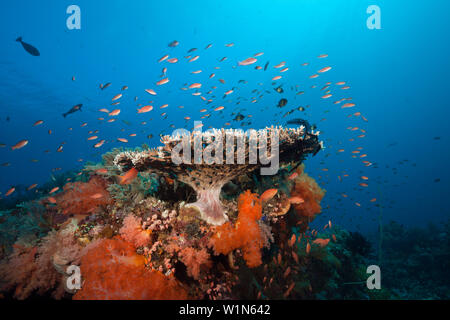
(398, 77)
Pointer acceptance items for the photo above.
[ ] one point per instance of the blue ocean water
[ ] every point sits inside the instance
(397, 78)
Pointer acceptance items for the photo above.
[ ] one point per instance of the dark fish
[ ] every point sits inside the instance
(173, 44)
(73, 109)
(192, 50)
(282, 103)
(106, 86)
(279, 89)
(8, 118)
(267, 64)
(29, 48)
(150, 136)
(437, 180)
(239, 117)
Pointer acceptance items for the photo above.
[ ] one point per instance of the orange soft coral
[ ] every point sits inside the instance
(113, 271)
(307, 188)
(83, 198)
(245, 234)
(132, 231)
(194, 260)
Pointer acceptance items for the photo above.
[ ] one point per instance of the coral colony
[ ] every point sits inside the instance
(202, 166)
(130, 224)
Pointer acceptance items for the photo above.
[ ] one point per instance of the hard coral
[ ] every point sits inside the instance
(208, 176)
(83, 198)
(113, 271)
(245, 234)
(307, 188)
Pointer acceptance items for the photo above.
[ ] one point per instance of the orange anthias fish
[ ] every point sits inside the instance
(321, 242)
(99, 144)
(145, 109)
(54, 190)
(19, 144)
(10, 191)
(32, 186)
(268, 194)
(114, 112)
(162, 81)
(308, 248)
(296, 200)
(292, 240)
(129, 176)
(293, 176)
(151, 91)
(247, 61)
(51, 200)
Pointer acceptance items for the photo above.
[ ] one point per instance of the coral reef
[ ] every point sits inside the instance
(418, 260)
(252, 239)
(208, 176)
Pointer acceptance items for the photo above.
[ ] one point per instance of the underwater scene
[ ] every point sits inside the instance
(224, 150)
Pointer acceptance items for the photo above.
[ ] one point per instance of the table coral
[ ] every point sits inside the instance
(207, 179)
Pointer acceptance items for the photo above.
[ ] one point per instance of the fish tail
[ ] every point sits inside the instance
(19, 39)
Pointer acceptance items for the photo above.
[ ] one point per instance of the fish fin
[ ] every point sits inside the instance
(64, 115)
(19, 39)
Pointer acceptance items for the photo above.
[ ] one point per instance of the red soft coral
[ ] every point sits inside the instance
(307, 188)
(194, 259)
(83, 198)
(41, 269)
(132, 231)
(113, 271)
(245, 234)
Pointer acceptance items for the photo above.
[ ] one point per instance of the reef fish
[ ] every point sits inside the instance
(129, 176)
(73, 109)
(19, 145)
(268, 194)
(29, 48)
